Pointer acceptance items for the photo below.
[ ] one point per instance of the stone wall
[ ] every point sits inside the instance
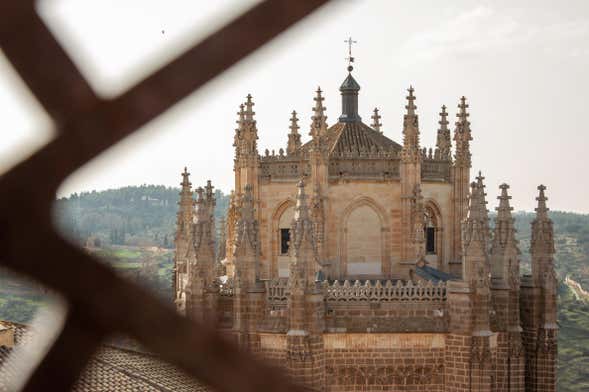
(384, 362)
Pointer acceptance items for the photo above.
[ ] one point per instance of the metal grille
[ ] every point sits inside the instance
(100, 302)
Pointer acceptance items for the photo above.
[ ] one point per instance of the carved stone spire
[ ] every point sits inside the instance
(376, 124)
(246, 250)
(542, 243)
(294, 137)
(305, 260)
(184, 218)
(319, 119)
(504, 250)
(475, 257)
(222, 244)
(410, 152)
(462, 136)
(210, 204)
(246, 135)
(476, 232)
(443, 142)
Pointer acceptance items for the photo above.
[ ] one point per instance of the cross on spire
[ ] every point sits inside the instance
(350, 59)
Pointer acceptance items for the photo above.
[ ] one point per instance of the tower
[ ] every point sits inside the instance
(182, 240)
(304, 340)
(470, 341)
(505, 290)
(538, 298)
(248, 297)
(201, 289)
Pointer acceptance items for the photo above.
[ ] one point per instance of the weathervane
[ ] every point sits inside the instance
(350, 59)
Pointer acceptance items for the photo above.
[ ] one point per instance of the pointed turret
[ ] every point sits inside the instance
(542, 243)
(475, 233)
(349, 90)
(462, 136)
(319, 119)
(504, 250)
(183, 239)
(475, 257)
(376, 124)
(246, 249)
(410, 152)
(443, 142)
(294, 137)
(305, 262)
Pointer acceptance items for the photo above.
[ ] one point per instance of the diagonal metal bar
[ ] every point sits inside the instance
(60, 365)
(88, 125)
(42, 63)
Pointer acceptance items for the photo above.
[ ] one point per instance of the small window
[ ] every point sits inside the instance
(284, 241)
(430, 240)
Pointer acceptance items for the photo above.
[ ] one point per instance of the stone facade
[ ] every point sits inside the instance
(358, 263)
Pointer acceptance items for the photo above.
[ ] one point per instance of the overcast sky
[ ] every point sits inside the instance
(522, 66)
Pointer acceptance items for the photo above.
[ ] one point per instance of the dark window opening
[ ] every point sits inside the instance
(430, 240)
(284, 241)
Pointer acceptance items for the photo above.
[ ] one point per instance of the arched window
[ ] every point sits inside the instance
(430, 232)
(283, 240)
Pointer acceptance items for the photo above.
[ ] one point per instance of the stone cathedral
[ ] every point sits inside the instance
(358, 263)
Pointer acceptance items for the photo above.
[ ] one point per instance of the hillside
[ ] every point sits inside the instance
(132, 229)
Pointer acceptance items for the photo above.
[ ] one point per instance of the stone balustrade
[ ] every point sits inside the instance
(387, 292)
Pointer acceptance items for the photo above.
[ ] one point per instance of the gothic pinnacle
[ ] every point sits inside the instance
(410, 104)
(319, 119)
(294, 127)
(185, 179)
(541, 210)
(249, 113)
(301, 210)
(443, 142)
(294, 138)
(376, 124)
(462, 114)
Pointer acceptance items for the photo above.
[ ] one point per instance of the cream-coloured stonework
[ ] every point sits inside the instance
(349, 341)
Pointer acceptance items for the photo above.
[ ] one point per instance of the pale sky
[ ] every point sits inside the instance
(522, 66)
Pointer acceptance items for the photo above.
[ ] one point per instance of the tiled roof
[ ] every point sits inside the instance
(111, 369)
(433, 274)
(356, 138)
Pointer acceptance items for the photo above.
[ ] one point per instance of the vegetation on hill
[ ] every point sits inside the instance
(133, 229)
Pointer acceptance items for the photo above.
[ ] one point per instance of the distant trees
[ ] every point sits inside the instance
(134, 215)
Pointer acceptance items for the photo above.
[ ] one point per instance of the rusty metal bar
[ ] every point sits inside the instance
(104, 302)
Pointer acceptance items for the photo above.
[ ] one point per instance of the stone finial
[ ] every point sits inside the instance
(443, 142)
(209, 191)
(222, 246)
(376, 124)
(294, 138)
(411, 152)
(186, 184)
(319, 119)
(541, 210)
(410, 102)
(462, 135)
(249, 113)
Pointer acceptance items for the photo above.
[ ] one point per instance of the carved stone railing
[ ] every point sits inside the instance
(377, 166)
(226, 289)
(276, 291)
(387, 292)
